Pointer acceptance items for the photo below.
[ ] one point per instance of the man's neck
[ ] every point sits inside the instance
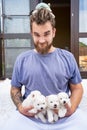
(52, 49)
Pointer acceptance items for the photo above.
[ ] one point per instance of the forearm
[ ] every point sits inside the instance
(18, 99)
(76, 95)
(16, 96)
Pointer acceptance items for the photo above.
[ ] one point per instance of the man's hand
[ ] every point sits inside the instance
(18, 99)
(25, 110)
(70, 111)
(75, 98)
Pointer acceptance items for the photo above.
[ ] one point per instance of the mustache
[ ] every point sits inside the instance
(42, 42)
(44, 49)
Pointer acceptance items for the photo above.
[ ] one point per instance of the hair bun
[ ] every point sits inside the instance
(43, 5)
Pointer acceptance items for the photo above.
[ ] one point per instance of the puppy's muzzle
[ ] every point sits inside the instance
(41, 108)
(55, 105)
(64, 102)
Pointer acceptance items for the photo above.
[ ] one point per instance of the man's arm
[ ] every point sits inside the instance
(17, 98)
(76, 96)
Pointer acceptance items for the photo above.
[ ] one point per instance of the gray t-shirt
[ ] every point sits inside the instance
(50, 73)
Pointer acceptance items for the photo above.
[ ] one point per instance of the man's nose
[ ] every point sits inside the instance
(41, 39)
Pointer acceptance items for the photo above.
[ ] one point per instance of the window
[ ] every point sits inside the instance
(15, 31)
(83, 35)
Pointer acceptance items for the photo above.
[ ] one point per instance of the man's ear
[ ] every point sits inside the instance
(54, 32)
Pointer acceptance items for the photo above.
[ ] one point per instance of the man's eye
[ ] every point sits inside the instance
(36, 35)
(47, 34)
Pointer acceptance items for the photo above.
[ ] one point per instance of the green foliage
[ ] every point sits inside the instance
(82, 44)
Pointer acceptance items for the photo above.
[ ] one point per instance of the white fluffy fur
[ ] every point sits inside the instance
(47, 104)
(52, 104)
(40, 104)
(29, 101)
(38, 101)
(63, 98)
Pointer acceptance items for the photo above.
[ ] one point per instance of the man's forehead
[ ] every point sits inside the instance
(42, 28)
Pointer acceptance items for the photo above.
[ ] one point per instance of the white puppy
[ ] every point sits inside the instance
(38, 101)
(29, 101)
(52, 104)
(63, 99)
(40, 105)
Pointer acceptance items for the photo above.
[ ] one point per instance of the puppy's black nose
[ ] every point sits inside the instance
(64, 102)
(41, 108)
(55, 105)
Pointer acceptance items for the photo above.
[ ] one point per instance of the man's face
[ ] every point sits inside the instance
(43, 36)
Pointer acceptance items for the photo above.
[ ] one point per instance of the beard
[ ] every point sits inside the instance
(43, 48)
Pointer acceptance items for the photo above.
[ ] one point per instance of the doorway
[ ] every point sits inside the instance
(61, 10)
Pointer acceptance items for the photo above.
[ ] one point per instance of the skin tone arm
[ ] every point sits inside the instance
(76, 96)
(18, 99)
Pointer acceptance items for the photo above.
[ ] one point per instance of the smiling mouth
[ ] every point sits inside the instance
(42, 44)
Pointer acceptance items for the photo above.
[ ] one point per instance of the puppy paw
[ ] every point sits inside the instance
(44, 120)
(36, 116)
(33, 111)
(62, 114)
(51, 120)
(55, 117)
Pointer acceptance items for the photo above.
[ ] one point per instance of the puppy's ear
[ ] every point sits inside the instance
(46, 98)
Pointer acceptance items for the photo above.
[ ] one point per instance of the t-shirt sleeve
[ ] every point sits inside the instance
(74, 70)
(16, 74)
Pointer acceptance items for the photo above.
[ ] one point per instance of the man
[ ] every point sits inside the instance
(49, 70)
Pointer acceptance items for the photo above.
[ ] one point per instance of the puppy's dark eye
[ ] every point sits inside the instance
(38, 104)
(51, 102)
(43, 103)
